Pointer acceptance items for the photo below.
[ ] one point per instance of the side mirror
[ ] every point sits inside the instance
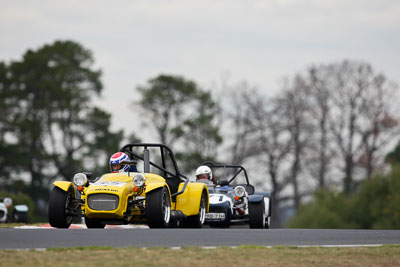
(222, 182)
(250, 189)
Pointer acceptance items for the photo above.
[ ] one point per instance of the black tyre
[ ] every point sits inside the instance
(94, 223)
(257, 215)
(59, 203)
(173, 224)
(158, 208)
(197, 221)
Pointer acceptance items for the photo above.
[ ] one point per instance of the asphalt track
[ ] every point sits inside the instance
(50, 238)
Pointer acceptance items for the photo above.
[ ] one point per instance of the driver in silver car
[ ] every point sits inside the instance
(204, 175)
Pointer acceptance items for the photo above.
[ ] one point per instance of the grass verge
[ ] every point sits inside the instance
(194, 256)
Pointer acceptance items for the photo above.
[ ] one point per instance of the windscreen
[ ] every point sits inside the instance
(221, 173)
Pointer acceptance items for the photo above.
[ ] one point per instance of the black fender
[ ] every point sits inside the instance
(258, 197)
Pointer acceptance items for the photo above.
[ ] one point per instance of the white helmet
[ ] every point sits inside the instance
(204, 170)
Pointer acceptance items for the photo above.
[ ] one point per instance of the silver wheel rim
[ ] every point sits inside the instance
(264, 219)
(166, 208)
(202, 211)
(68, 219)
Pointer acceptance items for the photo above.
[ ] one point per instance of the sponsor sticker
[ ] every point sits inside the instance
(110, 183)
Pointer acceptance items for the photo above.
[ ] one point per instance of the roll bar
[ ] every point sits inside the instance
(147, 162)
(241, 168)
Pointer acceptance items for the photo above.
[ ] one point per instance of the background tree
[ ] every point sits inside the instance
(268, 142)
(200, 132)
(361, 120)
(321, 152)
(164, 103)
(373, 206)
(393, 157)
(347, 92)
(334, 119)
(183, 116)
(293, 107)
(379, 121)
(51, 125)
(10, 156)
(239, 129)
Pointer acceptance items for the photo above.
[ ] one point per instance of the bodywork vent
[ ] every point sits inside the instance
(103, 202)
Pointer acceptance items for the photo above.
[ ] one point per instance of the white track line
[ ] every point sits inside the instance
(209, 247)
(301, 246)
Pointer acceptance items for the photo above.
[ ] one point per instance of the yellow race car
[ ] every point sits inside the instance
(160, 196)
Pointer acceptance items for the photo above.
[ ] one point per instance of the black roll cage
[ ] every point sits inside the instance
(147, 162)
(225, 166)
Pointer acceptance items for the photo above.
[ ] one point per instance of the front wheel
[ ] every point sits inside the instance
(257, 215)
(197, 221)
(59, 203)
(158, 208)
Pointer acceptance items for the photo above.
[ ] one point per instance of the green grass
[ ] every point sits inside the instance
(194, 256)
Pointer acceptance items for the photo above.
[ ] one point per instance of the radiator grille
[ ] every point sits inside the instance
(103, 202)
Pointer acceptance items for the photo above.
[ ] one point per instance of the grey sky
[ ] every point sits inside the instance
(259, 41)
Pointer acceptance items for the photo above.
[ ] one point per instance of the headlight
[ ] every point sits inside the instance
(138, 179)
(80, 179)
(239, 191)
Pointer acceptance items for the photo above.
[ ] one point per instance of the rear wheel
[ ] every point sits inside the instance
(197, 221)
(257, 215)
(158, 208)
(94, 223)
(59, 207)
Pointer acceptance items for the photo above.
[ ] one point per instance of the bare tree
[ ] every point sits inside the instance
(271, 141)
(275, 132)
(378, 121)
(319, 99)
(241, 128)
(348, 87)
(294, 110)
(360, 116)
(334, 114)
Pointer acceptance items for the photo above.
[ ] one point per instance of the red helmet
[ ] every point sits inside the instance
(116, 162)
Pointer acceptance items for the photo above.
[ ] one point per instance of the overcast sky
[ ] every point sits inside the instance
(257, 41)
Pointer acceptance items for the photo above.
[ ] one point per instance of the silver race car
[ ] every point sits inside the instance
(233, 200)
